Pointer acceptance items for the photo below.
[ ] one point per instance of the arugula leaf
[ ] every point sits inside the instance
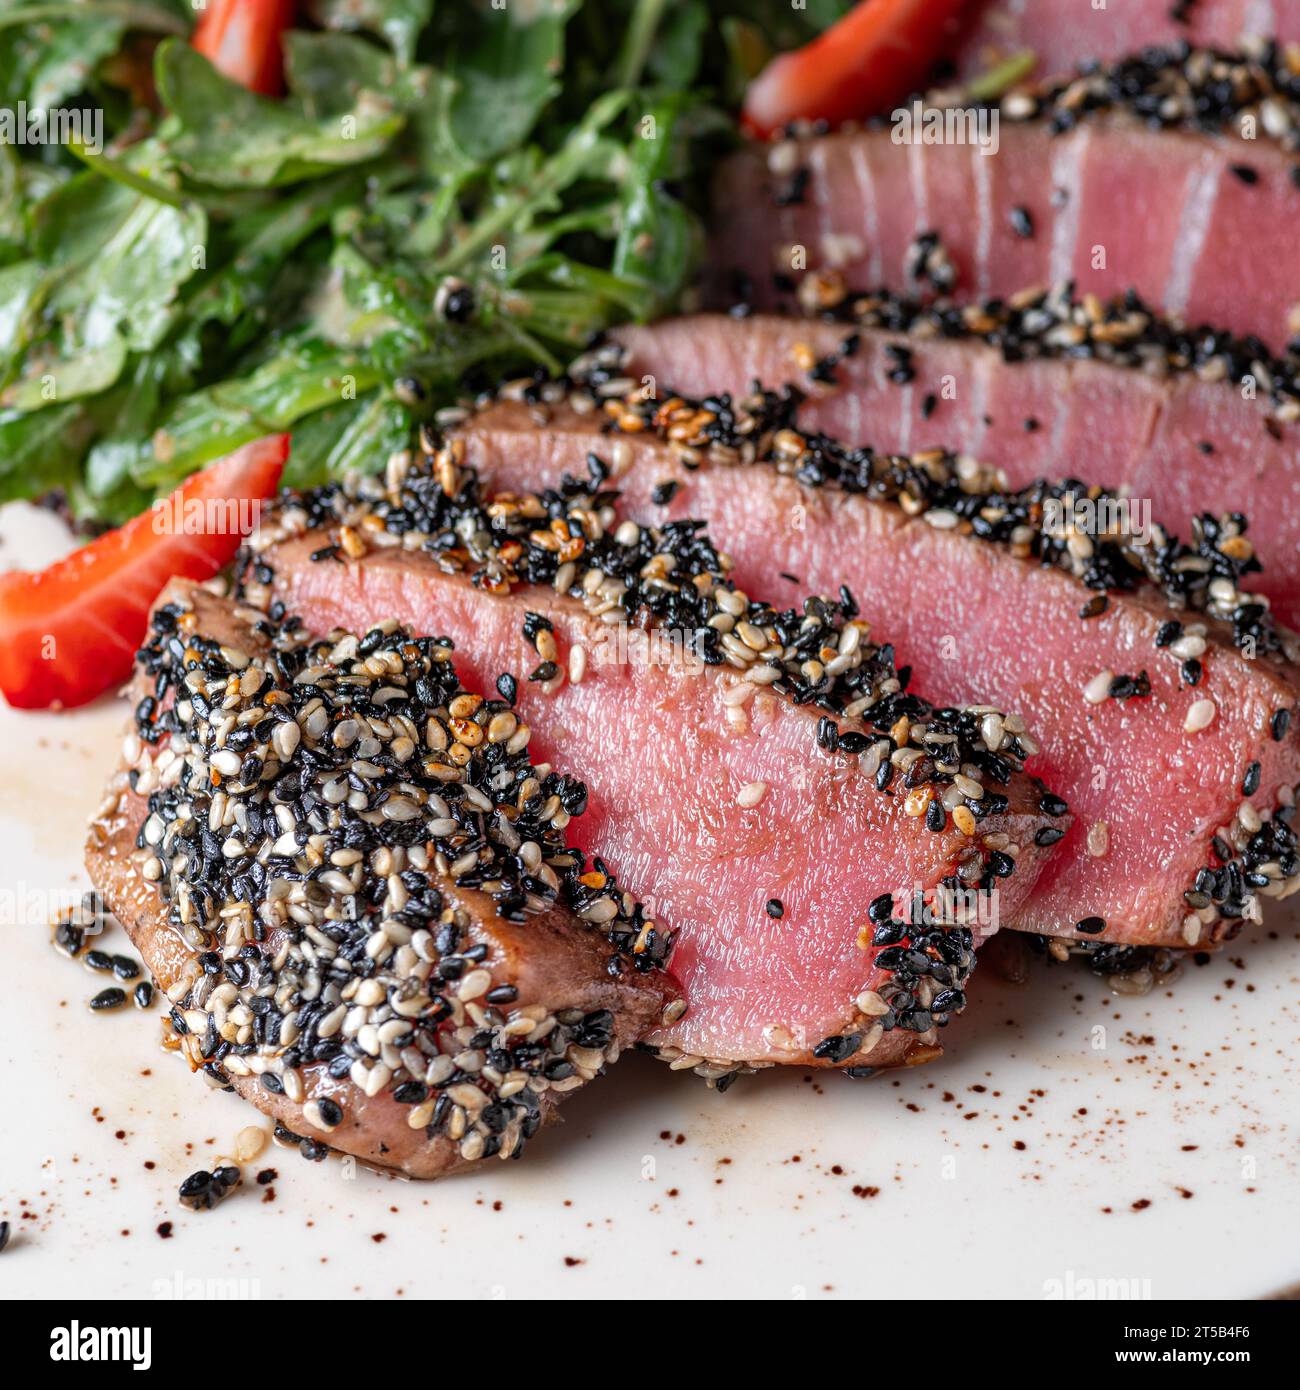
(675, 58)
(347, 438)
(329, 72)
(118, 258)
(126, 415)
(504, 75)
(299, 379)
(69, 56)
(22, 287)
(82, 372)
(264, 238)
(658, 240)
(42, 449)
(398, 21)
(227, 137)
(571, 161)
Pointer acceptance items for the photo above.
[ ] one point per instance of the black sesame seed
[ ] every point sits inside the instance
(775, 908)
(142, 995)
(458, 304)
(107, 999)
(69, 939)
(881, 908)
(837, 1049)
(1091, 926)
(1250, 782)
(1048, 835)
(1021, 222)
(1279, 724)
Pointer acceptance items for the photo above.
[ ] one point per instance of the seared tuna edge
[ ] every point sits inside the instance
(1053, 324)
(1175, 87)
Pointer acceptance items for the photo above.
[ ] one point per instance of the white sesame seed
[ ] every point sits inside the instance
(249, 1143)
(1187, 647)
(751, 794)
(1200, 716)
(1097, 691)
(871, 1004)
(474, 985)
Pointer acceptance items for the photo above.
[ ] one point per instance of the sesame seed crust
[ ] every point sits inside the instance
(947, 765)
(954, 492)
(1201, 581)
(1057, 324)
(1177, 87)
(371, 927)
(672, 579)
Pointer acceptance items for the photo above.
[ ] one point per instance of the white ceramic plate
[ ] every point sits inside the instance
(1071, 1144)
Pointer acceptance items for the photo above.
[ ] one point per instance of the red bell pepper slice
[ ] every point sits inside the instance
(241, 38)
(70, 632)
(865, 64)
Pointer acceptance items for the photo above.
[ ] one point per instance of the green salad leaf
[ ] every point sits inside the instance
(445, 193)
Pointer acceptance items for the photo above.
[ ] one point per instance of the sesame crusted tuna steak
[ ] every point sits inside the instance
(1112, 393)
(1062, 34)
(1193, 217)
(1162, 698)
(762, 776)
(276, 845)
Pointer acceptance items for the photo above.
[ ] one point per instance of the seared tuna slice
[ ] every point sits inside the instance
(1198, 221)
(761, 775)
(287, 846)
(1163, 700)
(1063, 34)
(1183, 421)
